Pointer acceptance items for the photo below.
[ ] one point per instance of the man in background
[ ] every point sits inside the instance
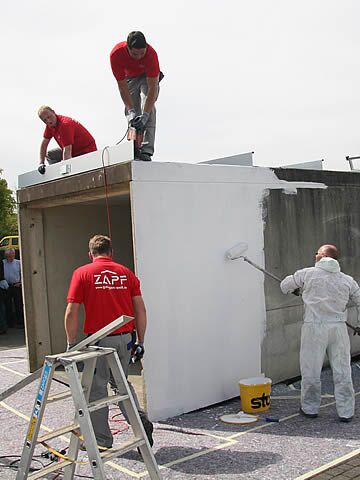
(325, 292)
(135, 66)
(13, 297)
(3, 288)
(72, 137)
(107, 290)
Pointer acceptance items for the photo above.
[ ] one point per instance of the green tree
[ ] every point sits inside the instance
(8, 217)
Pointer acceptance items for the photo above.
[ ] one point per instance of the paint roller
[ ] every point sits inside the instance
(238, 250)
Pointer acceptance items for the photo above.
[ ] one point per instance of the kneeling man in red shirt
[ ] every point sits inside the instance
(72, 137)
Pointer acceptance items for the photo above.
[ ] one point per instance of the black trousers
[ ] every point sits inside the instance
(14, 307)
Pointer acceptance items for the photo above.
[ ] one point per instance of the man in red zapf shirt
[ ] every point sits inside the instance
(107, 290)
(73, 139)
(135, 66)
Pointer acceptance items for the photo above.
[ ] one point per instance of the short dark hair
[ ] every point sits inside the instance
(100, 245)
(136, 40)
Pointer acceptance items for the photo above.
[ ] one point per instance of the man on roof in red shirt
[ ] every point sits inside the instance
(135, 66)
(107, 290)
(73, 139)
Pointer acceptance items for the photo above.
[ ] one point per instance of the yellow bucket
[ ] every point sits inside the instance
(255, 394)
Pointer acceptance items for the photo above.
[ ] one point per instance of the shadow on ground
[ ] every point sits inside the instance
(14, 338)
(218, 462)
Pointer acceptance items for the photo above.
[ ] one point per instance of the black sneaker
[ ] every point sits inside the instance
(345, 419)
(308, 415)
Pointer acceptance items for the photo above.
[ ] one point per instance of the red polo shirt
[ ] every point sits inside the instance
(125, 66)
(70, 132)
(106, 289)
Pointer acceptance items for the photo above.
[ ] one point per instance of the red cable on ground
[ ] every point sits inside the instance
(116, 431)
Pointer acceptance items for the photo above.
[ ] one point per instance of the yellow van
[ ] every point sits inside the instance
(11, 241)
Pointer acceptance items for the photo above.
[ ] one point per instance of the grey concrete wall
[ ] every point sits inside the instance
(294, 227)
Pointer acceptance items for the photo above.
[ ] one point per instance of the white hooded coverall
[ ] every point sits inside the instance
(325, 292)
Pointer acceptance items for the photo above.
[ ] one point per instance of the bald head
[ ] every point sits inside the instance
(327, 250)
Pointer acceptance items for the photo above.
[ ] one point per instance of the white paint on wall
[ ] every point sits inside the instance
(206, 315)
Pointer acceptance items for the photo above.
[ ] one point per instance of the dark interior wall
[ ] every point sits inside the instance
(67, 230)
(294, 227)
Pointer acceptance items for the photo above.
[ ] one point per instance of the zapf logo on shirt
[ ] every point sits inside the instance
(110, 280)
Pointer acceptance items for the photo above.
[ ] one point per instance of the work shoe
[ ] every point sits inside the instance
(145, 157)
(149, 428)
(345, 419)
(308, 415)
(83, 448)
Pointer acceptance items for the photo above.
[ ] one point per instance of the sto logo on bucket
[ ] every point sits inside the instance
(260, 402)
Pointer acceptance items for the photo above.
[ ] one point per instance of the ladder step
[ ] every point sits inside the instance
(57, 433)
(61, 377)
(123, 448)
(51, 468)
(104, 402)
(83, 356)
(62, 395)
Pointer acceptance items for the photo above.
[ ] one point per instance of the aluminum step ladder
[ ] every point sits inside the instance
(80, 386)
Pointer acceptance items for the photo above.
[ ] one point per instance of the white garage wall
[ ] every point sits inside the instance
(206, 314)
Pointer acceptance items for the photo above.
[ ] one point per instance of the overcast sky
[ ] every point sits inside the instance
(280, 78)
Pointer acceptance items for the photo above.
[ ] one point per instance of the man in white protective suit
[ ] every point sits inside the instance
(325, 292)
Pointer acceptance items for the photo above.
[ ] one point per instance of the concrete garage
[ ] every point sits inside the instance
(211, 321)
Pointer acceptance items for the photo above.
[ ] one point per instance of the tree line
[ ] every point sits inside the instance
(8, 214)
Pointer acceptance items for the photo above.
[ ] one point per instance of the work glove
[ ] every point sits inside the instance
(356, 330)
(140, 121)
(137, 352)
(42, 168)
(296, 292)
(69, 346)
(131, 114)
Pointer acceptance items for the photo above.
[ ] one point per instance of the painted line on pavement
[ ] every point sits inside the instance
(192, 456)
(14, 371)
(21, 415)
(334, 463)
(15, 361)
